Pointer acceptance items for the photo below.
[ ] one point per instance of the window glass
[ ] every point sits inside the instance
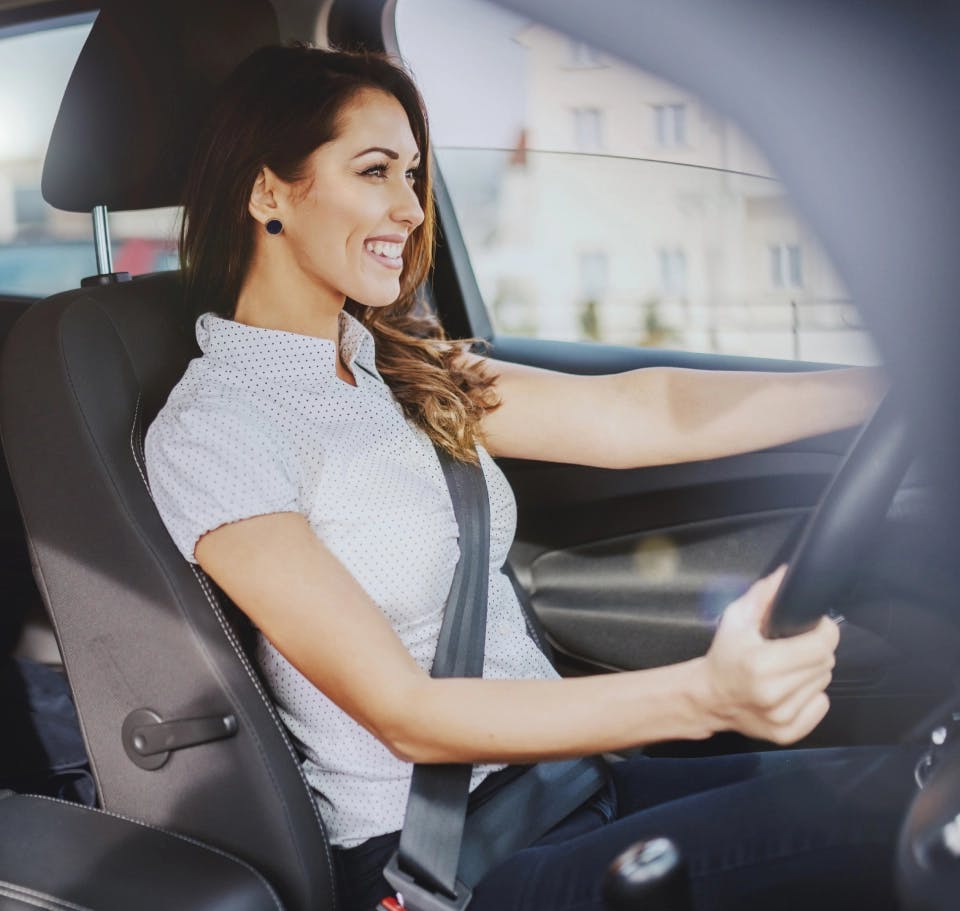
(599, 202)
(671, 125)
(583, 55)
(588, 129)
(43, 250)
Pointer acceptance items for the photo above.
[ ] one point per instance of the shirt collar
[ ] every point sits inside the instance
(288, 356)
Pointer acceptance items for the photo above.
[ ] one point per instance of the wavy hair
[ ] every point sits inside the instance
(274, 110)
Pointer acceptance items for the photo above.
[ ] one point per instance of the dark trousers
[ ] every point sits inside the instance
(804, 829)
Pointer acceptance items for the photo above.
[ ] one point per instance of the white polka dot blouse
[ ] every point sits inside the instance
(261, 423)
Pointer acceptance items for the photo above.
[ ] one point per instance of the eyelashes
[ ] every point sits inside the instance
(381, 170)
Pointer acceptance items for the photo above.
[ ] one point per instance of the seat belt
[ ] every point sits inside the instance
(429, 852)
(424, 869)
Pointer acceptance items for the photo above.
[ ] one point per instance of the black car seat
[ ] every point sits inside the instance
(146, 643)
(20, 595)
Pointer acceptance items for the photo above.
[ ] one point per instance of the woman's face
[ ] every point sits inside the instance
(348, 220)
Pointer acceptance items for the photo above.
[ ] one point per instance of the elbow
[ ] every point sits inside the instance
(393, 733)
(407, 733)
(409, 745)
(406, 749)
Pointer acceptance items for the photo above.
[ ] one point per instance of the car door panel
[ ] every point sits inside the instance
(647, 599)
(563, 505)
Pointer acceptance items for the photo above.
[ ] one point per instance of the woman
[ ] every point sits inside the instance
(295, 463)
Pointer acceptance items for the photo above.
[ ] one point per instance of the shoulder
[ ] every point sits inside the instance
(212, 456)
(204, 408)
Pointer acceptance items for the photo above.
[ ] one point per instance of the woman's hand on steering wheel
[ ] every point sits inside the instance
(768, 689)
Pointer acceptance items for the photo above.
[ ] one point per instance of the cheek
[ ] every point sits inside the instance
(321, 234)
(342, 223)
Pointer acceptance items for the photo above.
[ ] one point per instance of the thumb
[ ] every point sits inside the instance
(750, 609)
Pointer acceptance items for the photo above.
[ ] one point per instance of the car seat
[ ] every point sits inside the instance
(152, 656)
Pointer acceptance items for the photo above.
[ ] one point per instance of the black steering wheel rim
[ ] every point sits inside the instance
(844, 523)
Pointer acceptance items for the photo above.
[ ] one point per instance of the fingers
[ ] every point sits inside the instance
(771, 583)
(772, 689)
(752, 606)
(807, 649)
(761, 594)
(786, 712)
(780, 697)
(789, 718)
(810, 715)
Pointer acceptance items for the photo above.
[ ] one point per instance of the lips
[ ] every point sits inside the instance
(388, 251)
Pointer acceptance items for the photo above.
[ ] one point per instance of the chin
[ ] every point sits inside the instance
(377, 299)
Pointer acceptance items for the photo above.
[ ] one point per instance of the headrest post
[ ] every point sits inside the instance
(101, 240)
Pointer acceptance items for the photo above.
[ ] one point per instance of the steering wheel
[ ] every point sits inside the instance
(841, 528)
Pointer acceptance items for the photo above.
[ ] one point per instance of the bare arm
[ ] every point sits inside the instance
(663, 415)
(317, 615)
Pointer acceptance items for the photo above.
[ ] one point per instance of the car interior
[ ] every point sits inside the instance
(201, 802)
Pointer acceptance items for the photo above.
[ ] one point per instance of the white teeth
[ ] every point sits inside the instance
(381, 248)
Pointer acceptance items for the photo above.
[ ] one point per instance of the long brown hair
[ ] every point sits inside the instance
(275, 109)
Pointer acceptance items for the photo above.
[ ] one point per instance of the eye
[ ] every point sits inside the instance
(413, 175)
(377, 170)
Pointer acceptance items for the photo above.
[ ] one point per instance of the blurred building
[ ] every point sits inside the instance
(629, 212)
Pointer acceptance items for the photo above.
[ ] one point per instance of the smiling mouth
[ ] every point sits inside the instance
(387, 254)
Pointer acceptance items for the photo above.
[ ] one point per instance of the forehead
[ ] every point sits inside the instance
(375, 118)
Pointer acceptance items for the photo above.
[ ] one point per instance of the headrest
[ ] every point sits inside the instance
(138, 96)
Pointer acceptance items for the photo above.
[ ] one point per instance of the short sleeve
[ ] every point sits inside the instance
(211, 462)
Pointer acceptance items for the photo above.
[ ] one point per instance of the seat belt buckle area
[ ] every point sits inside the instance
(414, 897)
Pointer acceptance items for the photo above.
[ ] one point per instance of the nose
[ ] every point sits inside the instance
(407, 209)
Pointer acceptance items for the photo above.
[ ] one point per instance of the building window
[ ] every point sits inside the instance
(673, 273)
(588, 129)
(670, 124)
(786, 266)
(582, 56)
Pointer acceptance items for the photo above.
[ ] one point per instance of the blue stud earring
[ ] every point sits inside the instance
(274, 226)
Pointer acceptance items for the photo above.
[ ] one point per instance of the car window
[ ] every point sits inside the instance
(43, 250)
(599, 202)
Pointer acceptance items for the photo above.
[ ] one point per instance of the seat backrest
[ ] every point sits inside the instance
(82, 375)
(20, 596)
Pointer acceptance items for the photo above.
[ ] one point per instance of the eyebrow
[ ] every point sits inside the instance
(388, 152)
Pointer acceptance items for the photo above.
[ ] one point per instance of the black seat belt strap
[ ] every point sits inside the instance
(424, 870)
(443, 853)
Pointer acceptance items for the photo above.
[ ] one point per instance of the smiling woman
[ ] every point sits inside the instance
(295, 463)
(341, 166)
(310, 490)
(345, 222)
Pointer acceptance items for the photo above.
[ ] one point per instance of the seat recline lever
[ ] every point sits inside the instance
(148, 740)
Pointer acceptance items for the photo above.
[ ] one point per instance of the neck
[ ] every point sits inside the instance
(277, 294)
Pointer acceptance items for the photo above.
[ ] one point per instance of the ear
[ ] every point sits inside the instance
(265, 196)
